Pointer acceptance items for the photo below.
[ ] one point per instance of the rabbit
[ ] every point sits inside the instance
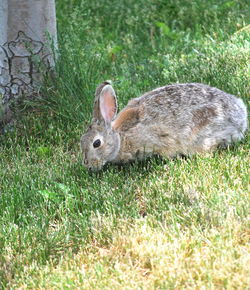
(175, 119)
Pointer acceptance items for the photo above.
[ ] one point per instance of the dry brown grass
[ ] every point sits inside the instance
(147, 257)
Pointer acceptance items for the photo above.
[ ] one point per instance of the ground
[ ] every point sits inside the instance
(181, 223)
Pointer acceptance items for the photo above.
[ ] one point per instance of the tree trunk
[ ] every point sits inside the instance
(27, 44)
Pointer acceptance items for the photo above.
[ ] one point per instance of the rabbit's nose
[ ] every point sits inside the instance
(85, 162)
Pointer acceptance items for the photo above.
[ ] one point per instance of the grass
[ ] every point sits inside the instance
(160, 224)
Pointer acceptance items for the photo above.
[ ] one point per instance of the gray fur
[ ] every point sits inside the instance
(171, 120)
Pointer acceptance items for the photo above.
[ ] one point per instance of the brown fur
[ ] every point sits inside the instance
(126, 119)
(202, 117)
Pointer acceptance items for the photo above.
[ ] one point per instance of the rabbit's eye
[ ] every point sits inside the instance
(97, 143)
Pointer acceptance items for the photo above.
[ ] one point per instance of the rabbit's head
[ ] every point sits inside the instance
(100, 143)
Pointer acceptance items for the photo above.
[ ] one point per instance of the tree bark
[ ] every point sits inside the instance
(27, 45)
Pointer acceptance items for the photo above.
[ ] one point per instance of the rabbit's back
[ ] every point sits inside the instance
(181, 100)
(185, 118)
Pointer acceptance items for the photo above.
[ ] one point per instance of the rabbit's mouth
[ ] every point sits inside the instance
(95, 166)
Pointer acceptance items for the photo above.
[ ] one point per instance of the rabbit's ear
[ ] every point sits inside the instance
(105, 107)
(108, 103)
(126, 119)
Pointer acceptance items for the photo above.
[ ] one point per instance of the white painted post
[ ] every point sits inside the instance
(27, 44)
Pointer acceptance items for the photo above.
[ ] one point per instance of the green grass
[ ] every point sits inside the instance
(180, 223)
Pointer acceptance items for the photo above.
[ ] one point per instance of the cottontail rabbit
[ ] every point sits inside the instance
(171, 120)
